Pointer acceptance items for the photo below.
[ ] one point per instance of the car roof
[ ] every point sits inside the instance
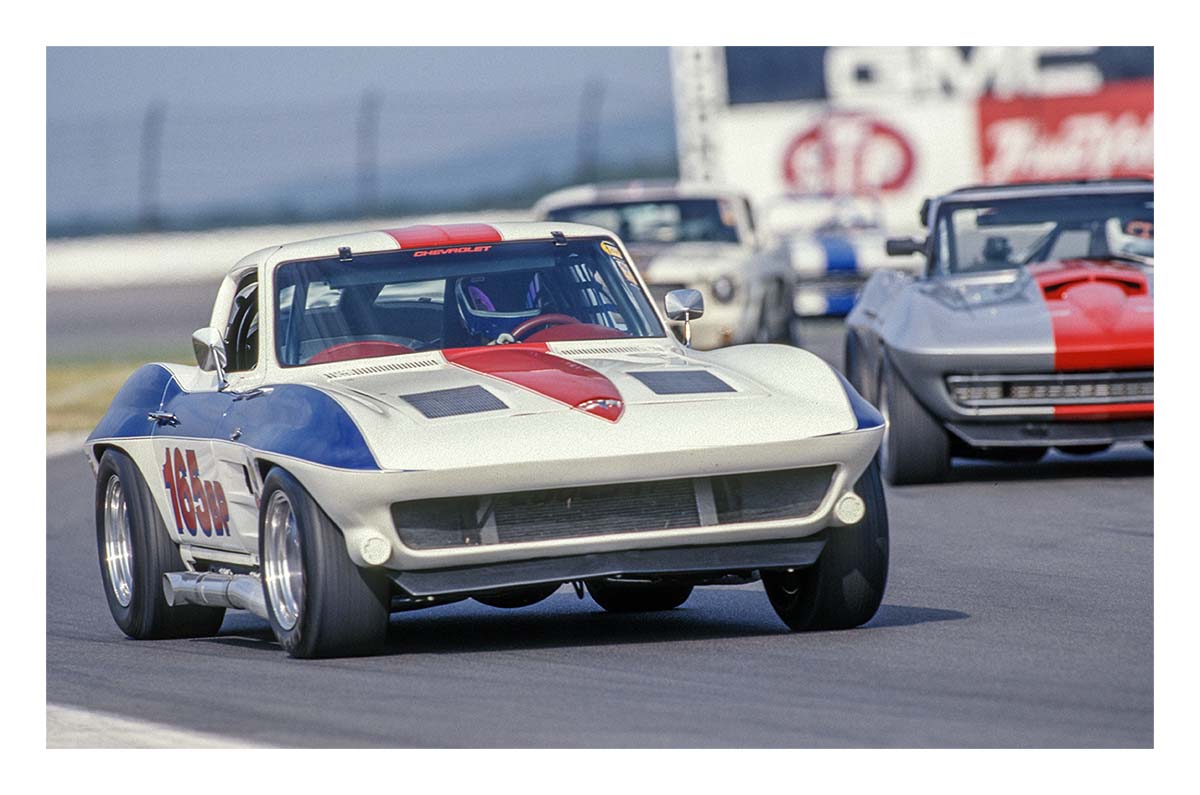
(637, 190)
(1038, 189)
(418, 236)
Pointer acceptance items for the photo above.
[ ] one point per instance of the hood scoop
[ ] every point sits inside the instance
(454, 402)
(682, 382)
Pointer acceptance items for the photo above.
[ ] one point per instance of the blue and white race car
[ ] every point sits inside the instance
(834, 244)
(389, 420)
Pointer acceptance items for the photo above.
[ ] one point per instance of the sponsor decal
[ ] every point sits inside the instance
(433, 252)
(199, 505)
(857, 74)
(849, 153)
(1106, 134)
(609, 249)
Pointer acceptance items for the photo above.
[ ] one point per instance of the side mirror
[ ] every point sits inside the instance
(685, 305)
(904, 246)
(209, 346)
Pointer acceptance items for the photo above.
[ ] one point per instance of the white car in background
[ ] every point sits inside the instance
(834, 244)
(692, 236)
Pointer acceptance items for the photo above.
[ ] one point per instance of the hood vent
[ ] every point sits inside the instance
(600, 350)
(392, 367)
(682, 382)
(454, 402)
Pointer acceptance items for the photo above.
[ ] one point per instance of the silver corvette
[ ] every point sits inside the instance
(1032, 327)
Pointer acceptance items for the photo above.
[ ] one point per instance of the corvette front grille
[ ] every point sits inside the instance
(579, 512)
(1051, 389)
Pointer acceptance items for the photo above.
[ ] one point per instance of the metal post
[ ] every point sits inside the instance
(150, 164)
(369, 109)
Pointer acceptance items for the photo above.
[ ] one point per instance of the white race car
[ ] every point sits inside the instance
(692, 236)
(390, 420)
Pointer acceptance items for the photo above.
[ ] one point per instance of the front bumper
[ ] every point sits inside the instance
(1051, 434)
(671, 561)
(360, 503)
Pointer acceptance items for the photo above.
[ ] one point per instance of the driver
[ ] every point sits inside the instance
(1138, 227)
(491, 306)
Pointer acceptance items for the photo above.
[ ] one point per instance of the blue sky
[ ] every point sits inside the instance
(277, 126)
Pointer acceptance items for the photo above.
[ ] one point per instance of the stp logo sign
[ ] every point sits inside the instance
(848, 153)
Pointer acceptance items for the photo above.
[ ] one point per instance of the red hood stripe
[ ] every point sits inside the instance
(444, 235)
(1101, 314)
(532, 367)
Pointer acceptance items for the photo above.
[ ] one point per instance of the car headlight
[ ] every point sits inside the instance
(724, 289)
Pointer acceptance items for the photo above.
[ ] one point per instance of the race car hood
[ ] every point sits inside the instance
(1084, 314)
(575, 401)
(683, 263)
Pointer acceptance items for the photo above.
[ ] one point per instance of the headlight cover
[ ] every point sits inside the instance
(724, 288)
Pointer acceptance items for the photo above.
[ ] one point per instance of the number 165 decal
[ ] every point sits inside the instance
(197, 503)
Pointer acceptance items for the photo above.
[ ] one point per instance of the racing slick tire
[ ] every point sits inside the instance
(135, 552)
(632, 596)
(524, 596)
(844, 588)
(916, 448)
(319, 603)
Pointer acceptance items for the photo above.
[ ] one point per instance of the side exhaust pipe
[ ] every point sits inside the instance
(208, 589)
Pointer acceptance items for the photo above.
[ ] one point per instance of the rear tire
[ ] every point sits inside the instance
(844, 588)
(524, 596)
(135, 552)
(916, 448)
(631, 596)
(332, 608)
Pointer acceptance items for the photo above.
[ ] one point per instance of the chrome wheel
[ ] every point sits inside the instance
(283, 566)
(118, 542)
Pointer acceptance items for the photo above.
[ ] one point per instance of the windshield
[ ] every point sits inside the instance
(1004, 234)
(457, 297)
(667, 221)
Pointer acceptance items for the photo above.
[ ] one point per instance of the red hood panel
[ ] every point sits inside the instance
(532, 367)
(1101, 312)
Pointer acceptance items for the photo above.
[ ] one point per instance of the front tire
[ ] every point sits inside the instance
(844, 588)
(632, 596)
(319, 603)
(135, 552)
(916, 448)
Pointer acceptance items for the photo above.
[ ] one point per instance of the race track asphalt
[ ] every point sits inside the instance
(1018, 613)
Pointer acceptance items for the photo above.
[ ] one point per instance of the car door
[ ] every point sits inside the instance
(211, 498)
(182, 438)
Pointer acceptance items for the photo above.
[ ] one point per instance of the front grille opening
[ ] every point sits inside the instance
(1051, 389)
(580, 512)
(770, 495)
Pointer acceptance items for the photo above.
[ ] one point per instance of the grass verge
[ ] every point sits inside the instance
(78, 393)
